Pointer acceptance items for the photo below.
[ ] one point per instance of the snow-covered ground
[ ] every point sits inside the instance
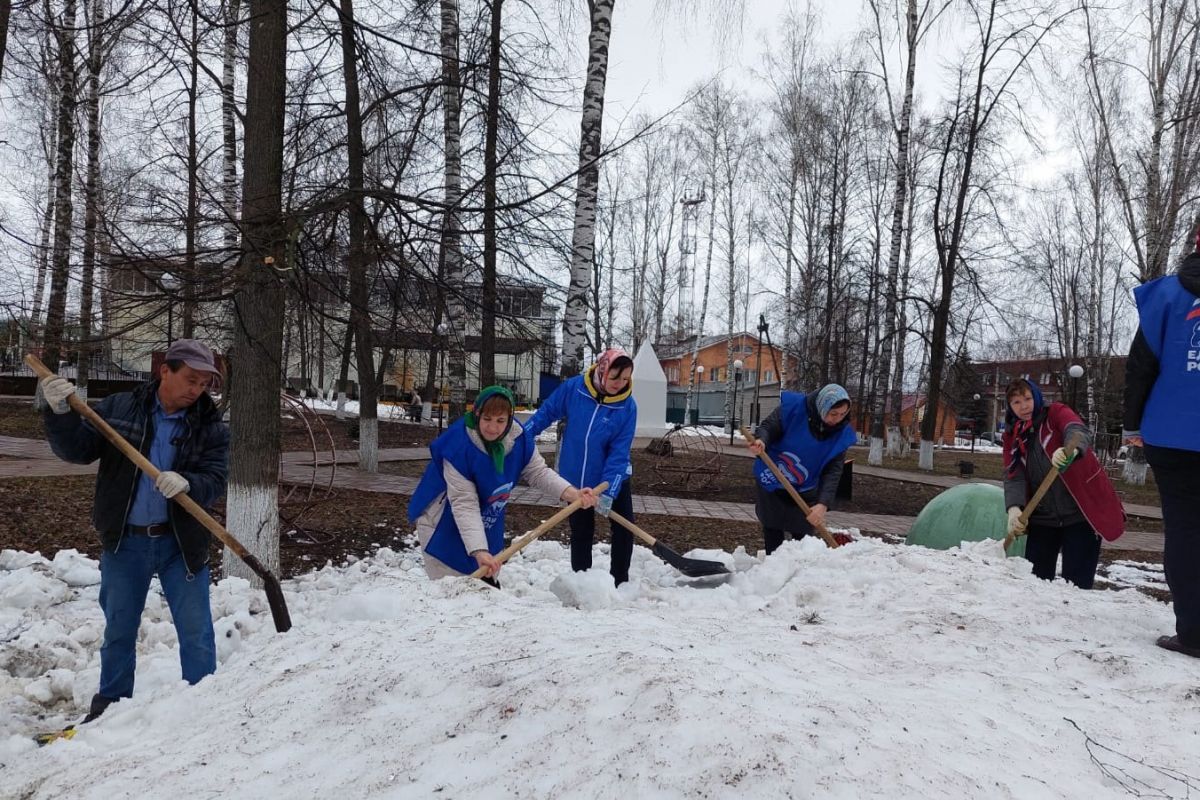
(872, 670)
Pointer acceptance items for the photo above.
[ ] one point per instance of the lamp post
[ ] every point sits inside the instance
(974, 422)
(442, 330)
(737, 377)
(1076, 372)
(170, 285)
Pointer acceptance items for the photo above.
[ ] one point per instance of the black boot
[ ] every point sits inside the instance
(99, 704)
(1173, 643)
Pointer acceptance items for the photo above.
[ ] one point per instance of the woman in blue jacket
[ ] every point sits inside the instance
(807, 437)
(601, 417)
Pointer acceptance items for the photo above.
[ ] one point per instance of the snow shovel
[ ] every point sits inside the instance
(779, 476)
(279, 612)
(1043, 487)
(692, 567)
(526, 538)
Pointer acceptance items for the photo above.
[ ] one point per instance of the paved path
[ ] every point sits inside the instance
(33, 458)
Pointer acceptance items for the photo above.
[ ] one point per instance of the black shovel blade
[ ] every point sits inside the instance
(692, 567)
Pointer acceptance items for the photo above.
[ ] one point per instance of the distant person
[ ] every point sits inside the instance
(174, 423)
(807, 437)
(414, 406)
(601, 417)
(1162, 414)
(458, 507)
(1080, 507)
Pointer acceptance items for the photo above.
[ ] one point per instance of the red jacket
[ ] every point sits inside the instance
(1084, 479)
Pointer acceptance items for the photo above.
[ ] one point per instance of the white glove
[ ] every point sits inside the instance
(1061, 460)
(171, 483)
(55, 391)
(1015, 526)
(603, 505)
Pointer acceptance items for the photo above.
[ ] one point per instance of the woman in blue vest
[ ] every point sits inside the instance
(1162, 414)
(807, 437)
(473, 468)
(601, 418)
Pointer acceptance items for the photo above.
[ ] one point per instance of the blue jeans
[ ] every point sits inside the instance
(124, 583)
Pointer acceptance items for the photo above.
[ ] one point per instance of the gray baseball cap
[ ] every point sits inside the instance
(195, 353)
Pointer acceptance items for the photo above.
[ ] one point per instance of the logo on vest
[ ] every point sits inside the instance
(791, 466)
(495, 504)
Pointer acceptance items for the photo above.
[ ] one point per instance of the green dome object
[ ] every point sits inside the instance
(969, 512)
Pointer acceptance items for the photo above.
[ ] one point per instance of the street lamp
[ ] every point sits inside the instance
(1076, 372)
(737, 377)
(442, 330)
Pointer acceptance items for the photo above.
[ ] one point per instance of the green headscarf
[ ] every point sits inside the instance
(495, 449)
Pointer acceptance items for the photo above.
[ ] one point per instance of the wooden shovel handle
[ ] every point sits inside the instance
(1043, 487)
(524, 539)
(779, 476)
(646, 538)
(143, 463)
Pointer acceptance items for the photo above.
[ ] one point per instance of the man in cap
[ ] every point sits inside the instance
(174, 423)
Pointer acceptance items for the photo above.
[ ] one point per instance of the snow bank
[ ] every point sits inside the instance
(865, 671)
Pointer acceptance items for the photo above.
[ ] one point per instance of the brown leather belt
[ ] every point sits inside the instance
(155, 530)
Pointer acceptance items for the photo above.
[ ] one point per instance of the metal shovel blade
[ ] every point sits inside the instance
(692, 567)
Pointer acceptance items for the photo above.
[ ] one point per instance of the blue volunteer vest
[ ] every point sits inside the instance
(799, 455)
(455, 446)
(1170, 318)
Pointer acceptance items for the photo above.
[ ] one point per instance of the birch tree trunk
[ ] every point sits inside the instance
(60, 261)
(91, 193)
(451, 226)
(583, 238)
(258, 303)
(900, 195)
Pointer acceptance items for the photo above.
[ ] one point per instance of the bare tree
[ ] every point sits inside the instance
(1006, 39)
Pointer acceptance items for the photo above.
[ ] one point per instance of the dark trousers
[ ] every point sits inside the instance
(1080, 547)
(779, 515)
(583, 535)
(1179, 488)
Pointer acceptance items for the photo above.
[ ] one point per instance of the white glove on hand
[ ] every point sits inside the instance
(1061, 459)
(603, 505)
(171, 484)
(55, 391)
(1015, 526)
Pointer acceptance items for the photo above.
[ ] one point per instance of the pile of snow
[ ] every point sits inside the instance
(863, 671)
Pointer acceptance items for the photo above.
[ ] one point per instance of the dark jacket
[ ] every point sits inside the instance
(201, 457)
(771, 430)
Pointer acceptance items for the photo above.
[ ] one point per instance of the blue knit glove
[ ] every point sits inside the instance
(604, 505)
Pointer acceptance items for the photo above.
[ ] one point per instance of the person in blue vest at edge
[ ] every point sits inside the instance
(1162, 414)
(601, 417)
(807, 436)
(174, 422)
(473, 469)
